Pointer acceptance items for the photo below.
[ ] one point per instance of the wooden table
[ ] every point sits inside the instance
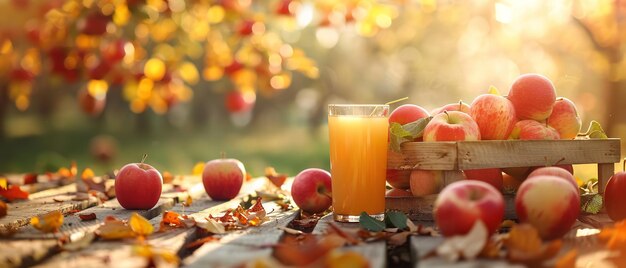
(30, 247)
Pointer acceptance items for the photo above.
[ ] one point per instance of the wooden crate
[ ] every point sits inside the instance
(452, 157)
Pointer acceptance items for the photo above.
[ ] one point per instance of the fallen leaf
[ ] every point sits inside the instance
(87, 174)
(411, 226)
(49, 222)
(198, 168)
(3, 183)
(80, 243)
(172, 219)
(30, 178)
(87, 217)
(211, 226)
(614, 236)
(188, 201)
(370, 224)
(351, 239)
(113, 229)
(14, 192)
(140, 225)
(399, 238)
(346, 259)
(568, 260)
(202, 241)
(276, 179)
(395, 219)
(465, 246)
(167, 177)
(301, 250)
(155, 256)
(525, 246)
(3, 209)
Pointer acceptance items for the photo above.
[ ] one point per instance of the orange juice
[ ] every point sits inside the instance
(358, 157)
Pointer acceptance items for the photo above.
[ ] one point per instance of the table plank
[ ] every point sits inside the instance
(375, 252)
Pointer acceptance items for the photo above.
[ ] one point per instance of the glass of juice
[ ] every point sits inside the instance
(358, 159)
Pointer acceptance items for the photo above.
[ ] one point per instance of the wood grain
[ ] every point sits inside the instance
(504, 153)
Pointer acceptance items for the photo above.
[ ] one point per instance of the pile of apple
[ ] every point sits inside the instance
(548, 197)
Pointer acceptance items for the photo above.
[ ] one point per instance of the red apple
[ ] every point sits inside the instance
(555, 171)
(464, 202)
(614, 197)
(138, 186)
(425, 182)
(312, 190)
(451, 126)
(510, 184)
(494, 115)
(533, 130)
(533, 97)
(549, 203)
(493, 176)
(395, 192)
(398, 178)
(565, 119)
(407, 113)
(222, 178)
(519, 173)
(457, 106)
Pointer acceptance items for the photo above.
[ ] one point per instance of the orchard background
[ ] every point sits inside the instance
(104, 81)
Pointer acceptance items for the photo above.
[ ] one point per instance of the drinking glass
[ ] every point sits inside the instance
(358, 159)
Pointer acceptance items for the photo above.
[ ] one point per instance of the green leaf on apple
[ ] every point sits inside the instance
(370, 224)
(594, 131)
(591, 203)
(395, 219)
(494, 91)
(407, 132)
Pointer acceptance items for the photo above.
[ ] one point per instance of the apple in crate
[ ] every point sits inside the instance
(533, 97)
(138, 186)
(457, 106)
(493, 176)
(464, 202)
(312, 190)
(565, 119)
(549, 203)
(494, 115)
(407, 113)
(425, 182)
(533, 130)
(614, 197)
(397, 178)
(557, 171)
(223, 178)
(451, 126)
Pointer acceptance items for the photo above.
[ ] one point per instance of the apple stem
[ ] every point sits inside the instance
(447, 115)
(560, 160)
(460, 104)
(143, 159)
(223, 155)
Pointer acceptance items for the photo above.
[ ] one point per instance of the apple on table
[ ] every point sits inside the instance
(223, 178)
(138, 186)
(312, 190)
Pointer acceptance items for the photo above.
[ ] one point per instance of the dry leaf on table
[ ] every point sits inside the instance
(155, 256)
(614, 236)
(568, 260)
(13, 192)
(211, 226)
(113, 229)
(3, 209)
(276, 179)
(49, 222)
(140, 225)
(525, 246)
(466, 246)
(87, 217)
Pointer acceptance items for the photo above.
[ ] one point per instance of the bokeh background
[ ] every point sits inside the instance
(102, 82)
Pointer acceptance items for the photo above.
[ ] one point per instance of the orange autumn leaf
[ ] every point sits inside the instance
(49, 222)
(198, 168)
(14, 192)
(30, 178)
(155, 256)
(568, 260)
(172, 219)
(202, 241)
(167, 177)
(3, 209)
(3, 183)
(346, 259)
(525, 246)
(241, 215)
(188, 201)
(87, 174)
(276, 179)
(113, 229)
(303, 250)
(140, 225)
(614, 236)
